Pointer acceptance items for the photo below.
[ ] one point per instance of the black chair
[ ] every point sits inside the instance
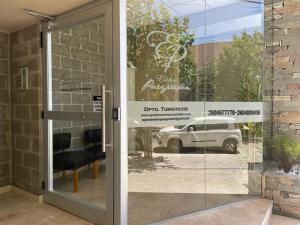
(93, 139)
(70, 160)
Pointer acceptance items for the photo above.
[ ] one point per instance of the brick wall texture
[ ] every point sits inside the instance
(78, 72)
(26, 109)
(282, 89)
(284, 191)
(4, 111)
(282, 61)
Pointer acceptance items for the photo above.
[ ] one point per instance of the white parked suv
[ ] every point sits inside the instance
(207, 131)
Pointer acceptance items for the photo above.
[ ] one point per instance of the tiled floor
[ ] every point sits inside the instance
(157, 189)
(250, 212)
(18, 209)
(282, 220)
(90, 190)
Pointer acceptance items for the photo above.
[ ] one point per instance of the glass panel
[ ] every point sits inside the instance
(234, 64)
(165, 169)
(195, 106)
(78, 161)
(78, 66)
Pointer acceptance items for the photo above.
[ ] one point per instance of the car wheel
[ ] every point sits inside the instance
(175, 145)
(230, 146)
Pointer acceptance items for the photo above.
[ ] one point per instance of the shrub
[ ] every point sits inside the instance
(286, 151)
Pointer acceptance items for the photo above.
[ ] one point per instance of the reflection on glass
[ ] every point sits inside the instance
(234, 55)
(195, 105)
(215, 132)
(78, 161)
(78, 65)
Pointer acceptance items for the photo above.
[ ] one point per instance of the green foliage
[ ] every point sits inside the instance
(145, 17)
(240, 67)
(254, 130)
(267, 146)
(286, 151)
(201, 81)
(234, 75)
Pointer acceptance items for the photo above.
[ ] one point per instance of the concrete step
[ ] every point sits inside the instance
(282, 220)
(248, 212)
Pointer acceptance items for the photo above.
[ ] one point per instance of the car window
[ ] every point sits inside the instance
(218, 126)
(198, 127)
(179, 126)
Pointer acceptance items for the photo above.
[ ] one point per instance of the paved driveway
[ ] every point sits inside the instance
(215, 172)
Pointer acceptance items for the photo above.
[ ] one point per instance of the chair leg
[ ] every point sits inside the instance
(75, 180)
(96, 168)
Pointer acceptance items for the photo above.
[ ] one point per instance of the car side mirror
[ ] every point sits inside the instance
(191, 129)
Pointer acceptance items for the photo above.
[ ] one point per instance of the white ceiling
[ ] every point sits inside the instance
(13, 17)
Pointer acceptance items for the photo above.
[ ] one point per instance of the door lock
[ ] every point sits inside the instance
(116, 114)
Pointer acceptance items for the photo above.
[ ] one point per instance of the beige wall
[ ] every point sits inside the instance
(210, 50)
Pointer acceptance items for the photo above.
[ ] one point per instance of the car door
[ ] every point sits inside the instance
(197, 135)
(215, 134)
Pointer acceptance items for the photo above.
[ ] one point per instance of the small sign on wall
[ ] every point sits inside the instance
(97, 103)
(23, 78)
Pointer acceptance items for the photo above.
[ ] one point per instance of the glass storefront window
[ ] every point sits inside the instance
(195, 111)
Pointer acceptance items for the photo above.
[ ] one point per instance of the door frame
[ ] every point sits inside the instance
(120, 127)
(117, 200)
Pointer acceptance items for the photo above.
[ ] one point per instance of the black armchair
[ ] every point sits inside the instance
(93, 139)
(73, 160)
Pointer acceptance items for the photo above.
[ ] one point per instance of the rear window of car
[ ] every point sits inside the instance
(217, 126)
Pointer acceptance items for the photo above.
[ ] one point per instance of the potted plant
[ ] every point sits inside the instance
(286, 152)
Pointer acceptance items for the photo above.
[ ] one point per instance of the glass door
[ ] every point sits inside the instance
(77, 113)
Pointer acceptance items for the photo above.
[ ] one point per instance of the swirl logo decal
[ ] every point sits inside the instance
(169, 50)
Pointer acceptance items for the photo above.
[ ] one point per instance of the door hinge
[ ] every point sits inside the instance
(43, 185)
(116, 114)
(43, 114)
(41, 39)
